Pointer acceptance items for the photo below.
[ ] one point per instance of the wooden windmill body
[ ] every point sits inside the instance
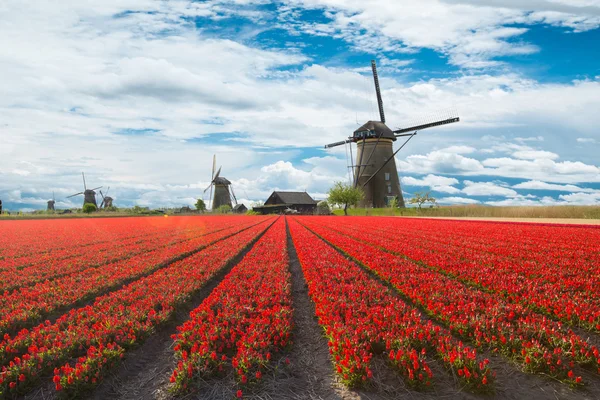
(375, 170)
(51, 203)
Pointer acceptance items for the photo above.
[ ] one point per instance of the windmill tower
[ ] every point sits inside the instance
(223, 191)
(51, 203)
(106, 199)
(375, 170)
(89, 195)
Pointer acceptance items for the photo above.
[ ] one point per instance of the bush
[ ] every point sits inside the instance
(224, 209)
(323, 208)
(89, 208)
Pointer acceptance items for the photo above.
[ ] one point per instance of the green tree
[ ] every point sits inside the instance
(342, 194)
(200, 205)
(224, 209)
(89, 208)
(323, 208)
(421, 198)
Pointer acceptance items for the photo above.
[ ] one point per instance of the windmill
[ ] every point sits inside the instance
(51, 203)
(106, 199)
(223, 191)
(375, 170)
(89, 195)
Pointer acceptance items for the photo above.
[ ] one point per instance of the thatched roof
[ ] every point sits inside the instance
(301, 198)
(378, 127)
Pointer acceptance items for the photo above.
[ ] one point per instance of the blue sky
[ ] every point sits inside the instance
(140, 94)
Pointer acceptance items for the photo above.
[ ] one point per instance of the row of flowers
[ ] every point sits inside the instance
(54, 265)
(27, 306)
(537, 343)
(567, 288)
(244, 321)
(50, 236)
(362, 317)
(119, 320)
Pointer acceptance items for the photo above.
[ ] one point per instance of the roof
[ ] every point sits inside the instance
(222, 181)
(238, 206)
(294, 197)
(378, 127)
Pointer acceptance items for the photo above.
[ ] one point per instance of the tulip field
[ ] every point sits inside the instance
(397, 308)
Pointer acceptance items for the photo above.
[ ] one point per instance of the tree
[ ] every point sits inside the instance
(224, 209)
(342, 194)
(323, 208)
(89, 208)
(421, 198)
(200, 206)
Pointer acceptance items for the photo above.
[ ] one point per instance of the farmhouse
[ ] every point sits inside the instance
(279, 202)
(240, 208)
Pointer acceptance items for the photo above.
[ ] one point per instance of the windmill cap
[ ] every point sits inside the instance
(222, 181)
(380, 129)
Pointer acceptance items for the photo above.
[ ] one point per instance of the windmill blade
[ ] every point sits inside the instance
(73, 195)
(218, 173)
(447, 121)
(389, 159)
(208, 187)
(328, 146)
(378, 91)
(212, 175)
(229, 193)
(83, 175)
(102, 195)
(234, 198)
(211, 198)
(99, 187)
(107, 190)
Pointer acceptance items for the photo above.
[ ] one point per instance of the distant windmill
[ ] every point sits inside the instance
(106, 199)
(51, 203)
(375, 171)
(89, 195)
(223, 190)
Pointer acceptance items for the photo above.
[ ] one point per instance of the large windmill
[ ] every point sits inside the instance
(51, 203)
(106, 199)
(223, 191)
(375, 170)
(89, 195)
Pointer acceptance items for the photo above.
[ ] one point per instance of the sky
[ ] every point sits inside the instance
(140, 94)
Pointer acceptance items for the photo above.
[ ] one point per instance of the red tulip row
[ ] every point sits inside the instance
(95, 256)
(50, 236)
(569, 293)
(245, 320)
(571, 261)
(139, 229)
(29, 305)
(539, 344)
(121, 319)
(362, 317)
(77, 250)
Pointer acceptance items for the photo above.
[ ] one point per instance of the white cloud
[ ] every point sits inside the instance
(587, 140)
(539, 185)
(435, 182)
(535, 155)
(457, 200)
(487, 189)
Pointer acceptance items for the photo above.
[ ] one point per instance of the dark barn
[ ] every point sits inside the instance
(279, 202)
(240, 209)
